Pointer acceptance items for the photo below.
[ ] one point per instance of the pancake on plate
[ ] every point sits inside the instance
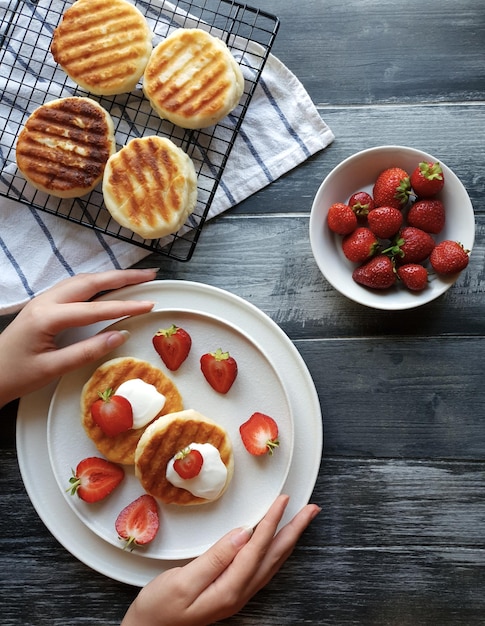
(103, 45)
(65, 145)
(121, 448)
(192, 79)
(164, 438)
(150, 187)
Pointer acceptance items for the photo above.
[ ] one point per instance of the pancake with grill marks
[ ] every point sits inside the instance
(121, 448)
(163, 439)
(192, 79)
(150, 187)
(103, 45)
(64, 146)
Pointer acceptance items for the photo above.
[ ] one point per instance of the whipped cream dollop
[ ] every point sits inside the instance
(145, 399)
(211, 479)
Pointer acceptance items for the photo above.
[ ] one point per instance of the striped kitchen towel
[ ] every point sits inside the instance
(282, 128)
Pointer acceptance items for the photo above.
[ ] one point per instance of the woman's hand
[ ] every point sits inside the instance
(29, 356)
(220, 582)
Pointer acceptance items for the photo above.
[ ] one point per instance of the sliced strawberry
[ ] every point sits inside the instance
(112, 413)
(259, 434)
(188, 463)
(219, 369)
(138, 523)
(173, 345)
(95, 478)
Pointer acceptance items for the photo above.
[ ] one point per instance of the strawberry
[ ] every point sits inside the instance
(413, 276)
(341, 219)
(449, 257)
(361, 203)
(173, 345)
(95, 478)
(138, 522)
(427, 179)
(428, 215)
(188, 463)
(360, 244)
(413, 245)
(259, 434)
(112, 413)
(392, 188)
(377, 273)
(219, 369)
(385, 221)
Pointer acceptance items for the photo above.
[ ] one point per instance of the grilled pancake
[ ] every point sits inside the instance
(103, 45)
(163, 439)
(64, 146)
(150, 187)
(121, 448)
(192, 79)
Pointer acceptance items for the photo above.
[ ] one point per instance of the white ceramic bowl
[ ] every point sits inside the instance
(358, 173)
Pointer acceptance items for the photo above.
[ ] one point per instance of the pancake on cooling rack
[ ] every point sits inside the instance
(121, 448)
(64, 146)
(150, 187)
(192, 79)
(103, 45)
(167, 436)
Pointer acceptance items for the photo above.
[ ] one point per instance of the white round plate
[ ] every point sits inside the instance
(185, 532)
(358, 173)
(36, 470)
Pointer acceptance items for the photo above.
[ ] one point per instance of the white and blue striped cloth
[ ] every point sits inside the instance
(282, 129)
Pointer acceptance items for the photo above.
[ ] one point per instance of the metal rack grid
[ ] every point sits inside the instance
(30, 77)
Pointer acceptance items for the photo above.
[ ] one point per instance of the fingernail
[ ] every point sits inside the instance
(241, 536)
(316, 511)
(152, 269)
(117, 338)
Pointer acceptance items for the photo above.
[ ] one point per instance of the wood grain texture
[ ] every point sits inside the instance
(399, 540)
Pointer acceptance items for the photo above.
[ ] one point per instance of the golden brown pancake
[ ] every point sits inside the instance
(121, 448)
(150, 187)
(64, 146)
(103, 45)
(192, 79)
(163, 439)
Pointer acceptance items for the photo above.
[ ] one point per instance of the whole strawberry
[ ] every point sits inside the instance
(392, 188)
(341, 219)
(428, 215)
(427, 179)
(449, 257)
(377, 273)
(385, 221)
(361, 203)
(360, 245)
(414, 245)
(413, 276)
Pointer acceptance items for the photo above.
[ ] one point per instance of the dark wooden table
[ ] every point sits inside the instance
(401, 538)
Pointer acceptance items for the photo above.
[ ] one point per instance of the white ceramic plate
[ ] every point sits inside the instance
(36, 470)
(358, 173)
(185, 532)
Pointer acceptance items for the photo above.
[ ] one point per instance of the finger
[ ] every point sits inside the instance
(86, 286)
(85, 313)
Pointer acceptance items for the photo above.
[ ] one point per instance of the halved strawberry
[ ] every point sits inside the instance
(259, 434)
(173, 345)
(138, 522)
(112, 413)
(188, 463)
(219, 369)
(95, 478)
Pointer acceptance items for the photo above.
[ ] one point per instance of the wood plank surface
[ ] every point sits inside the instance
(400, 540)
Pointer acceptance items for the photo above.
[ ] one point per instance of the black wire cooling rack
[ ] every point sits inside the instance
(30, 77)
